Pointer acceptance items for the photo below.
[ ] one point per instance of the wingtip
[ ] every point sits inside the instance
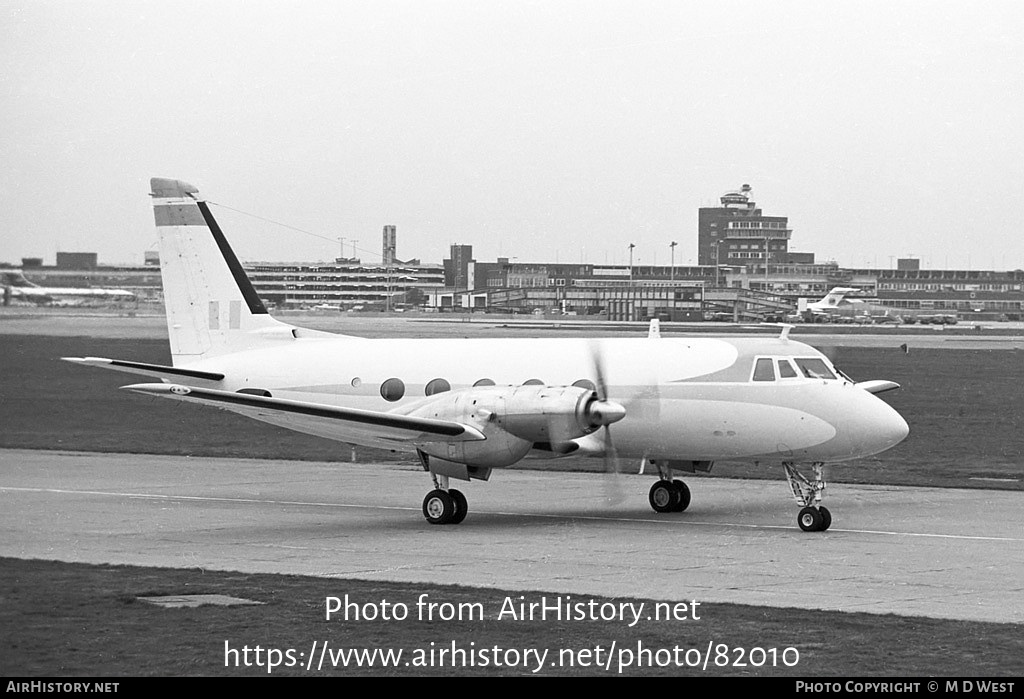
(878, 386)
(150, 388)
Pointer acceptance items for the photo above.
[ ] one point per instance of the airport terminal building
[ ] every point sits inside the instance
(745, 271)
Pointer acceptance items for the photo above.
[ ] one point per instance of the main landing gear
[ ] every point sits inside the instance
(668, 494)
(444, 505)
(813, 517)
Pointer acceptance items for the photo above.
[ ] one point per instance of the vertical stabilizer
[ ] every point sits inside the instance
(211, 305)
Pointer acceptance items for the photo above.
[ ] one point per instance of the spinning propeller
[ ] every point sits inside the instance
(608, 412)
(600, 413)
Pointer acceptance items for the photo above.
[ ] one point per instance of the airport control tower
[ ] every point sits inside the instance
(737, 233)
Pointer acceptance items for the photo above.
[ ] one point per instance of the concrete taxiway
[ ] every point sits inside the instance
(945, 553)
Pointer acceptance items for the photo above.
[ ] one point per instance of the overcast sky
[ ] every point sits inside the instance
(535, 130)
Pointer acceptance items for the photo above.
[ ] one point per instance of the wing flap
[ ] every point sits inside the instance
(319, 417)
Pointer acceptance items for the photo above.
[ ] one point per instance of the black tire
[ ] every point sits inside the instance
(663, 496)
(809, 519)
(438, 507)
(826, 518)
(683, 496)
(461, 506)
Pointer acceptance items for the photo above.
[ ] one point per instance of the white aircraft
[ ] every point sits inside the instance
(470, 406)
(837, 304)
(24, 290)
(836, 301)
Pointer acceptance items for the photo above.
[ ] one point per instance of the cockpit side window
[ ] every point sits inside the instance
(764, 370)
(814, 368)
(786, 370)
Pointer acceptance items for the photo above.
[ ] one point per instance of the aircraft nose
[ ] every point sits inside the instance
(890, 427)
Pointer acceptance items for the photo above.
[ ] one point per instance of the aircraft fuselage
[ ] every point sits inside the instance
(685, 399)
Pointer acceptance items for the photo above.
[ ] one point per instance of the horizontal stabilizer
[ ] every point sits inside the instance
(157, 370)
(413, 427)
(878, 386)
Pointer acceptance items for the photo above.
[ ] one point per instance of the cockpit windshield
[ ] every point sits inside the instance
(786, 370)
(814, 368)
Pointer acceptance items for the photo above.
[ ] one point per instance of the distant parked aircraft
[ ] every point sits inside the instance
(21, 289)
(836, 301)
(837, 304)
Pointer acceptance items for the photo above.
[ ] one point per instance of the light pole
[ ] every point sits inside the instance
(672, 249)
(766, 256)
(718, 260)
(629, 291)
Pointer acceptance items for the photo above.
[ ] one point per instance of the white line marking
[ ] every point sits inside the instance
(541, 515)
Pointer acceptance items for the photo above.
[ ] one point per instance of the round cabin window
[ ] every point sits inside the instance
(437, 386)
(392, 389)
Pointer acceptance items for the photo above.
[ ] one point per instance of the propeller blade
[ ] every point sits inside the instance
(613, 490)
(607, 412)
(597, 359)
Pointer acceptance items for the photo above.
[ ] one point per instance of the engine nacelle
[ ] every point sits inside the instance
(513, 419)
(545, 413)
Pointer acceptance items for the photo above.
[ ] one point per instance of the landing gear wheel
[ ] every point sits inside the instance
(461, 506)
(683, 496)
(808, 493)
(810, 519)
(439, 507)
(664, 496)
(826, 518)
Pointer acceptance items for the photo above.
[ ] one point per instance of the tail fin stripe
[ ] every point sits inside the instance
(256, 306)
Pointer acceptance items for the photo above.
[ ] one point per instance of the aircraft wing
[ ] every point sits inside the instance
(320, 419)
(156, 370)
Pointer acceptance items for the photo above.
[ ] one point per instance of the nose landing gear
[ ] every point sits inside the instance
(813, 517)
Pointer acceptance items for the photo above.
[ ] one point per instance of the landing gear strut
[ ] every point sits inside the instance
(444, 505)
(668, 494)
(813, 517)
